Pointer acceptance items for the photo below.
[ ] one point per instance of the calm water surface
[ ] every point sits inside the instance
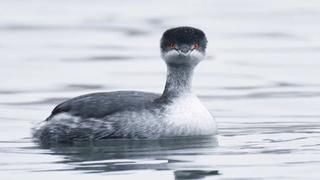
(260, 80)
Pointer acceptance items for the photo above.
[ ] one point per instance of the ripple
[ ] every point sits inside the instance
(47, 101)
(270, 35)
(194, 174)
(29, 27)
(233, 129)
(265, 95)
(285, 50)
(274, 85)
(109, 58)
(10, 92)
(106, 58)
(80, 87)
(130, 31)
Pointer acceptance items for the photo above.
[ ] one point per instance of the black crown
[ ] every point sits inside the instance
(183, 35)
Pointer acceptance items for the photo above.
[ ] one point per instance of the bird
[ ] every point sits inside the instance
(177, 112)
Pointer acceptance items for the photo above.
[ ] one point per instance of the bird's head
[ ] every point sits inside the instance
(183, 46)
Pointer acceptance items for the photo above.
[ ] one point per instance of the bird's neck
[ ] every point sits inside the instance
(179, 81)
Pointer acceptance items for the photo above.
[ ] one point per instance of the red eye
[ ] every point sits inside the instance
(196, 46)
(172, 45)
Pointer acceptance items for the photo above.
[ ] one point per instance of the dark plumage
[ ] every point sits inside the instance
(99, 105)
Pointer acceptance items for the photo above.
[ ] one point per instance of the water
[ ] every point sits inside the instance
(261, 81)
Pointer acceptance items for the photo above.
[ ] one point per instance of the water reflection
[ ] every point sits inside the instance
(124, 155)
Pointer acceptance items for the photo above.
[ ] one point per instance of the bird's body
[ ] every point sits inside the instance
(134, 114)
(126, 114)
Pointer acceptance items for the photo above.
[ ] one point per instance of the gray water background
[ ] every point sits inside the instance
(260, 80)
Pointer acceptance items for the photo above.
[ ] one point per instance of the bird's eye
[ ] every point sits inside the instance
(172, 45)
(196, 46)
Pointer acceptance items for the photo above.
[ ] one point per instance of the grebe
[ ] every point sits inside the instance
(139, 115)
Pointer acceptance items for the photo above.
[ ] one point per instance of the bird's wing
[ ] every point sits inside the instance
(98, 105)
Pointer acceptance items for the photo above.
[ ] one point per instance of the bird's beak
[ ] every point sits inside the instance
(184, 50)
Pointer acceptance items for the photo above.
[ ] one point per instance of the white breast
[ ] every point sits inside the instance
(187, 116)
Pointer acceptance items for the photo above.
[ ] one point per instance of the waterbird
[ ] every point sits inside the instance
(177, 112)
